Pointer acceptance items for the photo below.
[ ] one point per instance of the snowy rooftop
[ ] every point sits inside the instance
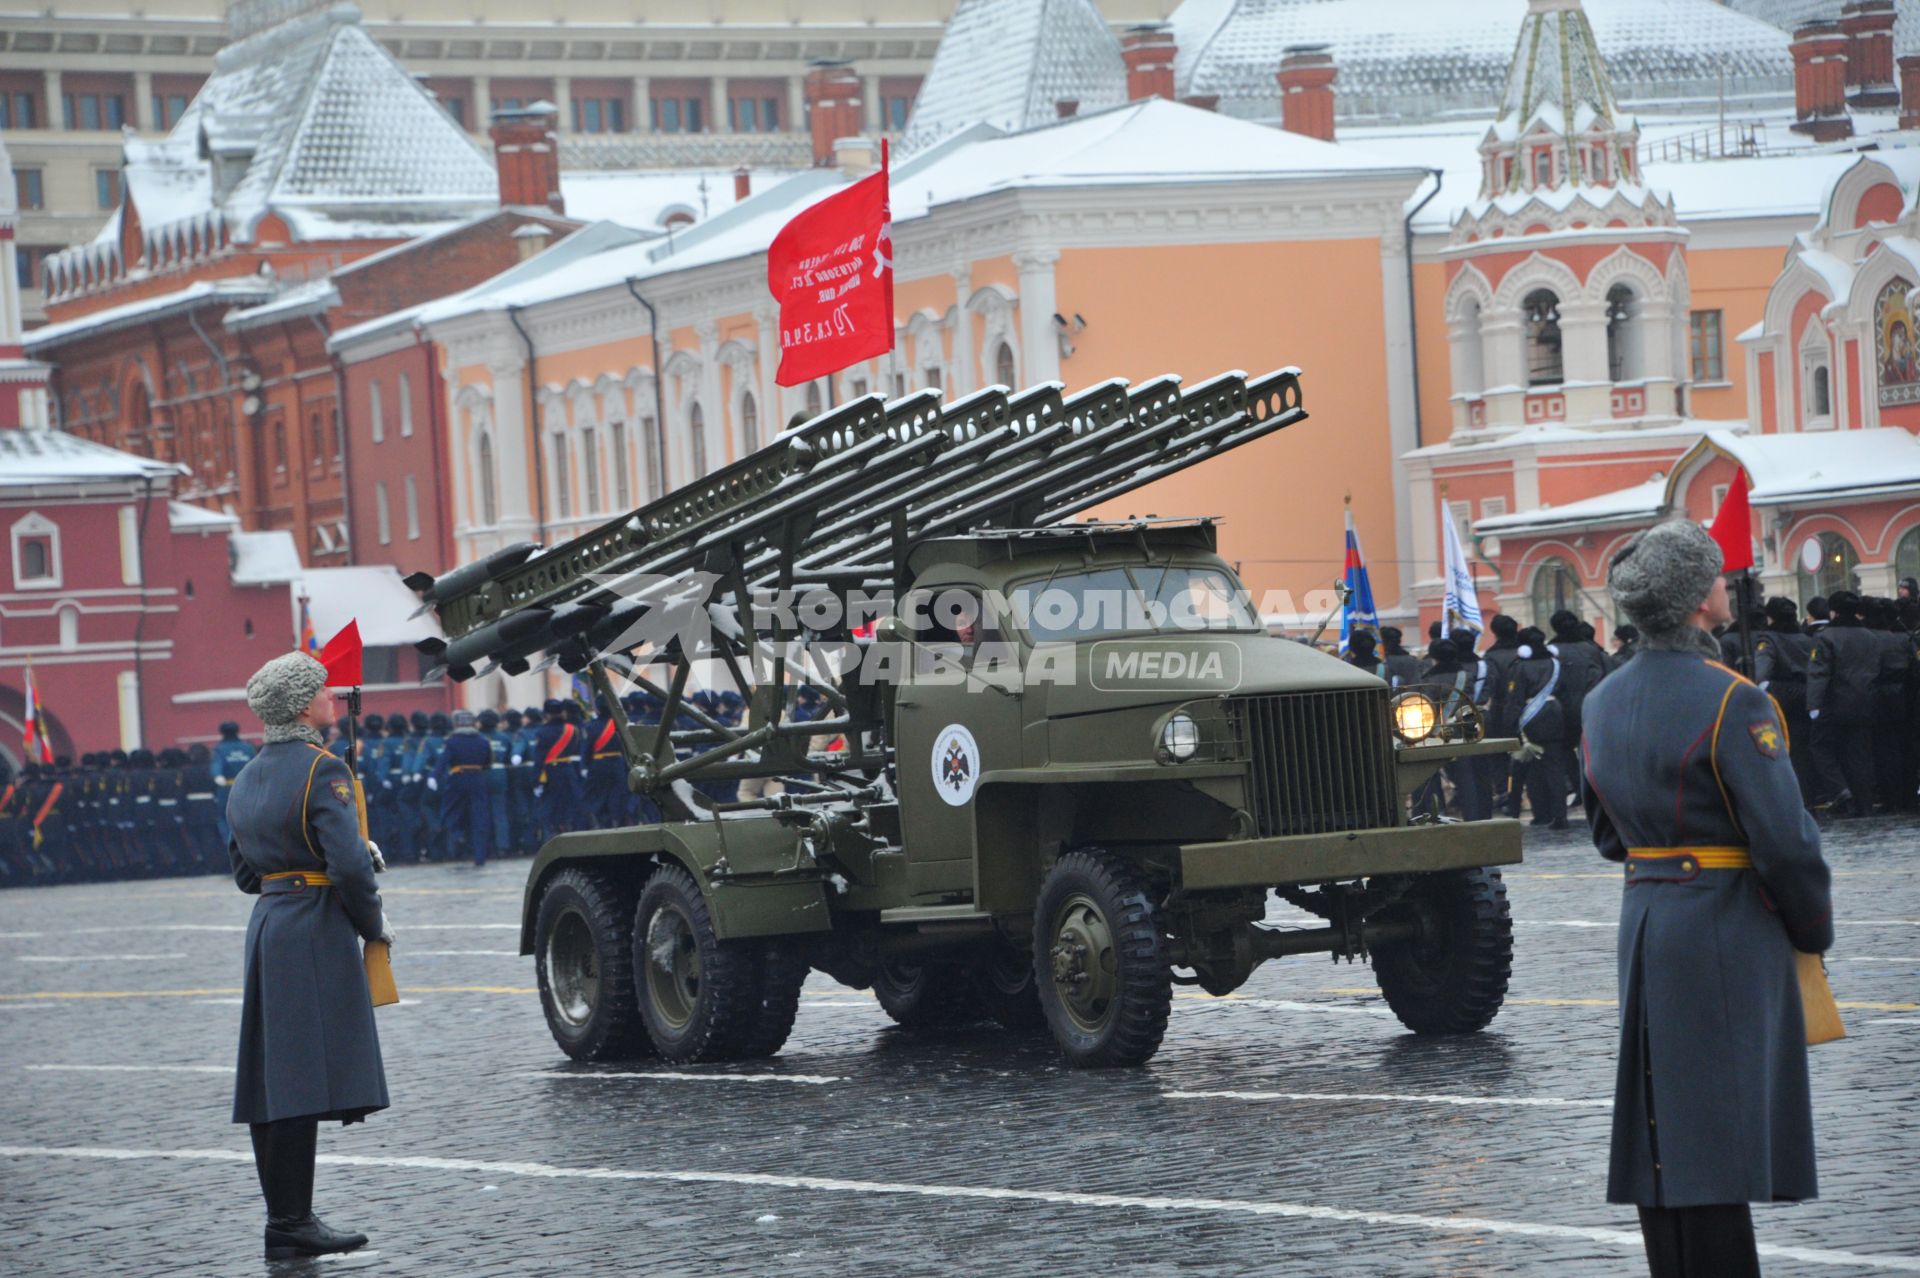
(1009, 62)
(645, 199)
(1625, 505)
(1147, 143)
(374, 596)
(1860, 463)
(264, 558)
(1418, 59)
(1788, 14)
(30, 458)
(147, 309)
(186, 517)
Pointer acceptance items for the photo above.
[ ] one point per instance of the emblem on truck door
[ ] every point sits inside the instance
(956, 764)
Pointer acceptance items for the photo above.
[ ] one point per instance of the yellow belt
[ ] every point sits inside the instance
(608, 754)
(314, 878)
(1695, 858)
(464, 767)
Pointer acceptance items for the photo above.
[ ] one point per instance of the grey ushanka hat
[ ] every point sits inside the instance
(1663, 574)
(282, 688)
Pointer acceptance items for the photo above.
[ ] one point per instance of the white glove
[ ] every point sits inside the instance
(1813, 714)
(379, 862)
(515, 760)
(539, 790)
(433, 783)
(386, 785)
(386, 928)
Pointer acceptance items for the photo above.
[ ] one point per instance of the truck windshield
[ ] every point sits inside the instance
(1151, 599)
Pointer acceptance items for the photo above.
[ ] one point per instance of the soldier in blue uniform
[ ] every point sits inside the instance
(413, 785)
(521, 813)
(230, 754)
(371, 760)
(556, 779)
(1688, 782)
(308, 1050)
(433, 845)
(605, 798)
(460, 776)
(501, 748)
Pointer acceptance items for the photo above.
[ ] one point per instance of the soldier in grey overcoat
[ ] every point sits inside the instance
(308, 1051)
(1688, 782)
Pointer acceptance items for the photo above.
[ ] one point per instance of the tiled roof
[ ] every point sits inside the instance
(1414, 59)
(1009, 62)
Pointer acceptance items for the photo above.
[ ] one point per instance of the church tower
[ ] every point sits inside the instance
(1567, 286)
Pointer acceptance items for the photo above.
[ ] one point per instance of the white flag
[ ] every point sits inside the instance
(1462, 604)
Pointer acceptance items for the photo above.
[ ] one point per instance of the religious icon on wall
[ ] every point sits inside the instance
(1896, 346)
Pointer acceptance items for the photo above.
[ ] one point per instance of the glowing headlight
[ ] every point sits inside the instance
(1180, 738)
(1415, 717)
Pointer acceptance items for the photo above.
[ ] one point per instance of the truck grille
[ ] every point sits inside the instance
(1322, 761)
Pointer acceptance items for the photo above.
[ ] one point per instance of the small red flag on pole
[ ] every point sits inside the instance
(341, 657)
(831, 270)
(1733, 526)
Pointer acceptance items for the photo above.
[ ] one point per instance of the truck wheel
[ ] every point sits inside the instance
(584, 960)
(698, 993)
(922, 996)
(770, 1019)
(1101, 962)
(1007, 991)
(1451, 977)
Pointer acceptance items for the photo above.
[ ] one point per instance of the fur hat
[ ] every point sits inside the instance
(281, 689)
(1664, 574)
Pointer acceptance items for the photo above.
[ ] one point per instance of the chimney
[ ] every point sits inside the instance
(833, 107)
(855, 157)
(527, 155)
(1148, 52)
(1820, 81)
(742, 183)
(1910, 91)
(1306, 91)
(1066, 108)
(1868, 25)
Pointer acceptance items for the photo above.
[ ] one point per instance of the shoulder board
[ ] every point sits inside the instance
(1728, 670)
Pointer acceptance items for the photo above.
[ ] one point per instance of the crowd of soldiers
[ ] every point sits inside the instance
(1846, 677)
(438, 787)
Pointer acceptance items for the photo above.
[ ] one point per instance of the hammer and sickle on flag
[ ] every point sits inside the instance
(881, 262)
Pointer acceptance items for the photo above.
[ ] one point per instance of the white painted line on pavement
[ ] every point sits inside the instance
(204, 1002)
(811, 1079)
(1627, 1239)
(1290, 1005)
(131, 1069)
(21, 1007)
(1863, 958)
(99, 958)
(1616, 922)
(1544, 1102)
(238, 927)
(463, 927)
(1910, 1022)
(463, 953)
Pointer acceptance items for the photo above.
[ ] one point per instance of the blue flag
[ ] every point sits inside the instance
(1359, 612)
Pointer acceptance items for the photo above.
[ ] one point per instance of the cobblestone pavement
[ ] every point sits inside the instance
(1293, 1128)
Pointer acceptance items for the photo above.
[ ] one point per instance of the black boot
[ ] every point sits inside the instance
(287, 1180)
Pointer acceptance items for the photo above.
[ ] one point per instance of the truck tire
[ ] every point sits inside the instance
(924, 996)
(583, 955)
(777, 1001)
(1452, 977)
(1007, 991)
(1100, 961)
(699, 995)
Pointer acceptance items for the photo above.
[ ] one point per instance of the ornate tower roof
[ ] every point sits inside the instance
(1558, 125)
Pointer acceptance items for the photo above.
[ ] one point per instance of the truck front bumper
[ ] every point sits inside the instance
(1349, 854)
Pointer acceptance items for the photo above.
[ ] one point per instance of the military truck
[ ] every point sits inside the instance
(1075, 766)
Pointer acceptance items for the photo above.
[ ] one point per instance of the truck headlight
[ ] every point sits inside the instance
(1415, 717)
(1180, 738)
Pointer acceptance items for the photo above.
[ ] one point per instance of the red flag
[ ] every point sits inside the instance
(341, 657)
(37, 740)
(1733, 526)
(831, 270)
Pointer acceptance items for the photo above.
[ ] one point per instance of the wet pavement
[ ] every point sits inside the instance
(1291, 1128)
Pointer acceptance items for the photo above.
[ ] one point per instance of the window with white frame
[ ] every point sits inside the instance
(697, 434)
(382, 513)
(590, 467)
(1719, 495)
(36, 553)
(651, 459)
(376, 420)
(562, 481)
(413, 509)
(1816, 381)
(489, 489)
(1462, 512)
(405, 392)
(622, 483)
(1492, 506)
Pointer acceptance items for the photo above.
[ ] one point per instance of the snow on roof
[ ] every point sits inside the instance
(186, 517)
(1642, 501)
(374, 596)
(302, 299)
(30, 458)
(1148, 143)
(1788, 14)
(644, 199)
(1008, 62)
(246, 289)
(1417, 59)
(263, 558)
(1858, 463)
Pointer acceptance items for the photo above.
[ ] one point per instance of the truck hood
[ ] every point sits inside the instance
(1121, 674)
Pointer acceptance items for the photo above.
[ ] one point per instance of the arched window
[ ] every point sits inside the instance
(1003, 365)
(1623, 334)
(697, 429)
(1542, 313)
(1816, 380)
(1472, 374)
(1838, 568)
(280, 446)
(1543, 167)
(1555, 586)
(562, 481)
(622, 466)
(749, 422)
(1906, 556)
(489, 489)
(69, 627)
(590, 466)
(813, 400)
